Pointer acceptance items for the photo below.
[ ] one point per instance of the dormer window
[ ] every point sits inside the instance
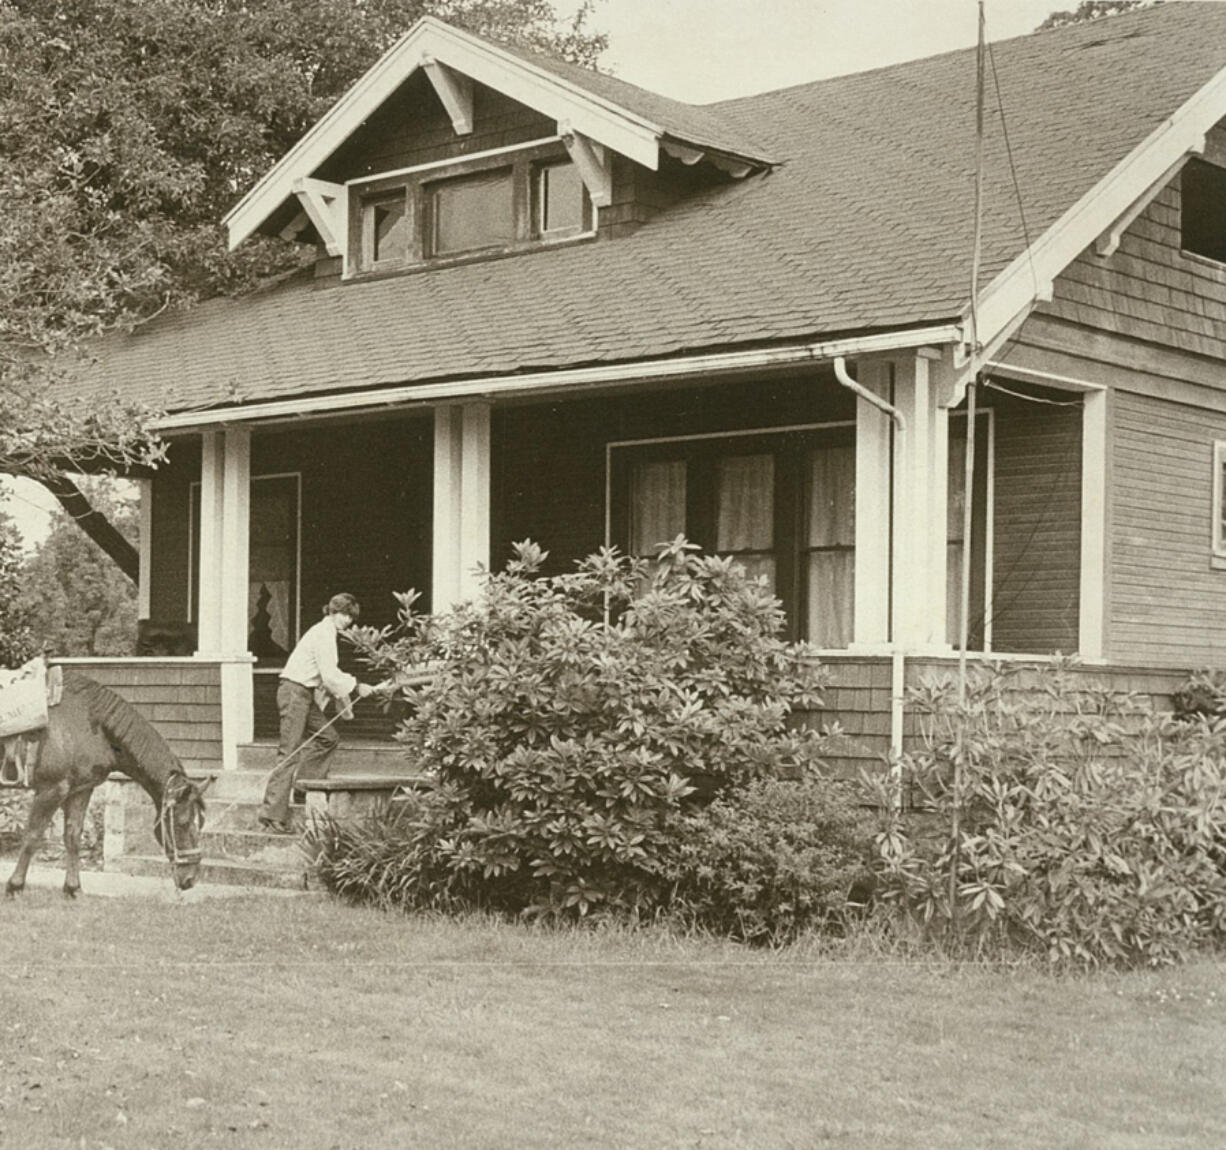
(385, 230)
(561, 207)
(509, 199)
(471, 213)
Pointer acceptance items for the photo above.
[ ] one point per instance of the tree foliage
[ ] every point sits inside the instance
(1089, 10)
(17, 643)
(73, 599)
(127, 129)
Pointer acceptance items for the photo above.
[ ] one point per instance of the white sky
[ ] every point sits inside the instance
(705, 50)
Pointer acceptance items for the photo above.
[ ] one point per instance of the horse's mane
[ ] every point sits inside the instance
(128, 731)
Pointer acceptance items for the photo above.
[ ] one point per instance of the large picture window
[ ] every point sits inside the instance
(781, 503)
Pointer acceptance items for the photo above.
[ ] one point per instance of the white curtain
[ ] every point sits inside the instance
(657, 504)
(746, 512)
(831, 536)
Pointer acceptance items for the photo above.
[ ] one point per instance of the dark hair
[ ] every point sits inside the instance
(343, 604)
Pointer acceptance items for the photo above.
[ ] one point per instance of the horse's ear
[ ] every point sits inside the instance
(204, 786)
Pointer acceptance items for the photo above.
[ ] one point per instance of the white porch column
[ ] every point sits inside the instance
(920, 497)
(461, 537)
(874, 444)
(144, 586)
(225, 539)
(1092, 604)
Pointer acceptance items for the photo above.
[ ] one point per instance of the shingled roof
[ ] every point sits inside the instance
(865, 225)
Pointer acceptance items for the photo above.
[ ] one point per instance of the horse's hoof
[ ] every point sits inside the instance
(11, 891)
(71, 891)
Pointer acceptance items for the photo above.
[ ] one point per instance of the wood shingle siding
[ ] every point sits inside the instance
(1167, 605)
(180, 697)
(1148, 288)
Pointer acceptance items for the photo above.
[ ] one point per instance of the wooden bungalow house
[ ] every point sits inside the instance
(546, 303)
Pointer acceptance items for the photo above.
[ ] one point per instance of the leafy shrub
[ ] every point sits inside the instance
(1069, 819)
(1203, 694)
(770, 861)
(567, 718)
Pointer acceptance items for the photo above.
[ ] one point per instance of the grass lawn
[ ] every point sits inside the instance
(307, 1024)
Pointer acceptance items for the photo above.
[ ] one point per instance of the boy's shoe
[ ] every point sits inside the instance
(276, 827)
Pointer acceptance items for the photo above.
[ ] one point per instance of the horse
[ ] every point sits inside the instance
(90, 733)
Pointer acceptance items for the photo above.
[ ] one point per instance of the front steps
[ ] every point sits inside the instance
(237, 852)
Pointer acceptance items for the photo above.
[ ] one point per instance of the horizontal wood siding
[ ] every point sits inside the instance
(1167, 605)
(182, 700)
(1036, 560)
(1148, 289)
(857, 701)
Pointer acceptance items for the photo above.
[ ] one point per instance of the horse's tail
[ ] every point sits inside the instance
(128, 731)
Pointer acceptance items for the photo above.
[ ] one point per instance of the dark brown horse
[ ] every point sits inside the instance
(91, 733)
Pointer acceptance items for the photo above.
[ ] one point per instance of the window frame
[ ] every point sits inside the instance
(1217, 528)
(1204, 169)
(418, 183)
(706, 449)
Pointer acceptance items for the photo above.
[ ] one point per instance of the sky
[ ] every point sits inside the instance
(705, 50)
(700, 51)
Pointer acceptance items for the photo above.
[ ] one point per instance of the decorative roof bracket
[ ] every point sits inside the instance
(594, 163)
(324, 205)
(1110, 239)
(455, 90)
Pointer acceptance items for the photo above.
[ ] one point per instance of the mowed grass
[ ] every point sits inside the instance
(308, 1024)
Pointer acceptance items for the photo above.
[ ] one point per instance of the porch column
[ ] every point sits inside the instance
(461, 539)
(1092, 601)
(225, 536)
(920, 511)
(144, 586)
(874, 443)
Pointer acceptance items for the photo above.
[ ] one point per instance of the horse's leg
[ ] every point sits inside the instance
(41, 810)
(75, 807)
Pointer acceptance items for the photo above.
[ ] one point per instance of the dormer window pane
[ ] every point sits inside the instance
(387, 229)
(472, 213)
(561, 202)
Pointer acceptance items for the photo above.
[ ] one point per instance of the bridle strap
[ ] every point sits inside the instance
(170, 837)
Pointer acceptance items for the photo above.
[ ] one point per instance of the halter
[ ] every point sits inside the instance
(179, 856)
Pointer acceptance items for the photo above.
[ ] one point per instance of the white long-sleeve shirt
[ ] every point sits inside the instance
(313, 662)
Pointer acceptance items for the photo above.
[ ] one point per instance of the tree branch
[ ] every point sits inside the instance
(94, 524)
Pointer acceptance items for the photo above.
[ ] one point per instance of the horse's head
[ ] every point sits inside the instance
(179, 823)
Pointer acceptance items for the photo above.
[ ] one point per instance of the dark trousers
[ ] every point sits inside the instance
(300, 720)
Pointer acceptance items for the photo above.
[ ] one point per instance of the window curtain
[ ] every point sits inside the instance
(657, 504)
(745, 521)
(830, 545)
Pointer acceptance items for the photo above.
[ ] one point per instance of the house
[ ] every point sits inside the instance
(546, 303)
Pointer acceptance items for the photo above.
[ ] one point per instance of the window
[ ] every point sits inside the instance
(272, 586)
(1203, 210)
(1219, 503)
(470, 214)
(782, 503)
(978, 628)
(561, 207)
(385, 229)
(514, 198)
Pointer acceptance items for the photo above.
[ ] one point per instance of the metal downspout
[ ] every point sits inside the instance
(897, 656)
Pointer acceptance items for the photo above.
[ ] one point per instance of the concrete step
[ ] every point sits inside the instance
(356, 758)
(222, 872)
(253, 846)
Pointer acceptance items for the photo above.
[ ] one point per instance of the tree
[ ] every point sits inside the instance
(127, 129)
(73, 599)
(1089, 10)
(17, 643)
